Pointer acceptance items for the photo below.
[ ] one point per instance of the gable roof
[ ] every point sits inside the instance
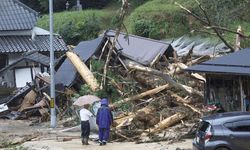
(237, 63)
(14, 15)
(140, 49)
(15, 44)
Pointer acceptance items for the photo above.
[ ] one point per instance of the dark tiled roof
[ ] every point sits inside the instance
(15, 44)
(140, 49)
(234, 63)
(14, 15)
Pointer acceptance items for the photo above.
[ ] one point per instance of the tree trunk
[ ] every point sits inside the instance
(128, 119)
(83, 71)
(167, 123)
(165, 76)
(141, 95)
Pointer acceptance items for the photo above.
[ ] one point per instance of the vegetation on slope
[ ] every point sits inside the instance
(157, 19)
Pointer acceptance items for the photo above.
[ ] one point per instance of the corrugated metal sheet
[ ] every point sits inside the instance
(14, 15)
(201, 46)
(66, 73)
(235, 63)
(15, 44)
(139, 49)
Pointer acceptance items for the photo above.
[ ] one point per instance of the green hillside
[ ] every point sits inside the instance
(157, 19)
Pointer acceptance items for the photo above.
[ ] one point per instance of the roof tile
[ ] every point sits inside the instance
(25, 44)
(14, 15)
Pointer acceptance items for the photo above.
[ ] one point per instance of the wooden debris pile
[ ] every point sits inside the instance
(167, 99)
(147, 100)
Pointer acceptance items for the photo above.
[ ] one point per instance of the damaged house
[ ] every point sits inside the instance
(228, 79)
(24, 48)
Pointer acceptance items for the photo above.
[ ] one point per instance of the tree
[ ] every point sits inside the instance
(214, 16)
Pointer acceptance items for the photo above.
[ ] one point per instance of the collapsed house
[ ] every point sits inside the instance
(227, 79)
(149, 78)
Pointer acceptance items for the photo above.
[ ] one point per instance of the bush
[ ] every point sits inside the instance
(75, 26)
(73, 33)
(158, 19)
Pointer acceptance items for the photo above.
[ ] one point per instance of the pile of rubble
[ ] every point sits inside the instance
(151, 95)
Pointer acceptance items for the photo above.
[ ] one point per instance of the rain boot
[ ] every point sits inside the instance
(83, 142)
(86, 141)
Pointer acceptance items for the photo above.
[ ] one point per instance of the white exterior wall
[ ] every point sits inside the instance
(24, 75)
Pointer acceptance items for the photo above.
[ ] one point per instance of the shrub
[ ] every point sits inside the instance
(75, 26)
(158, 19)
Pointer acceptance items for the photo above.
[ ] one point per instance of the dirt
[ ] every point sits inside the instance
(41, 137)
(76, 145)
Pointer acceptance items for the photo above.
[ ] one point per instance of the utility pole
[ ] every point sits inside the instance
(52, 82)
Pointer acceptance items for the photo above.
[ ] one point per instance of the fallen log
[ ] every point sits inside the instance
(184, 102)
(125, 121)
(83, 70)
(141, 95)
(166, 123)
(165, 76)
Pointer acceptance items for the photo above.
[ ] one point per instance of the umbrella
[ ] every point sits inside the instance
(86, 99)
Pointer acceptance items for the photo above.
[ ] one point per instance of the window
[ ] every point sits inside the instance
(203, 126)
(230, 126)
(239, 126)
(242, 126)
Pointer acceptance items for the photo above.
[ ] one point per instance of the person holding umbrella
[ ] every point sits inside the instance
(104, 119)
(84, 102)
(85, 115)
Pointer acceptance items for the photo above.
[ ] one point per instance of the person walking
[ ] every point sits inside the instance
(85, 115)
(104, 120)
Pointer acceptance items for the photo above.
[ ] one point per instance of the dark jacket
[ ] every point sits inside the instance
(104, 117)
